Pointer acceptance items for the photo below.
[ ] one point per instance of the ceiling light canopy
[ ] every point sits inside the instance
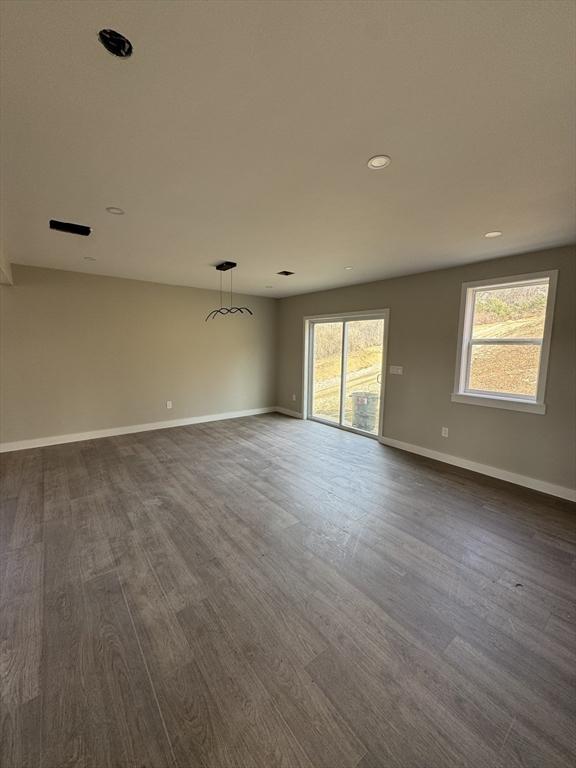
(115, 210)
(378, 162)
(490, 235)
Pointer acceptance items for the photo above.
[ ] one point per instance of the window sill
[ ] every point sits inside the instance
(507, 403)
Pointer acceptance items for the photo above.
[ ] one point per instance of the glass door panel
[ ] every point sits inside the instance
(363, 354)
(326, 391)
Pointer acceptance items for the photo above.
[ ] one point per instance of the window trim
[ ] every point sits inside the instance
(464, 347)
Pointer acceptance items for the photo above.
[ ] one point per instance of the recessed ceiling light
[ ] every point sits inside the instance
(285, 273)
(348, 267)
(378, 161)
(116, 211)
(493, 234)
(89, 258)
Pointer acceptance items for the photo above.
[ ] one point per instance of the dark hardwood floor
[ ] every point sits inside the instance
(269, 592)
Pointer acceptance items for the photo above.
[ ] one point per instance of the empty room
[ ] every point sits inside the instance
(288, 384)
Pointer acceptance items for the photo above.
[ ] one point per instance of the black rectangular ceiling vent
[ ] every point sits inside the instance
(73, 229)
(224, 266)
(285, 272)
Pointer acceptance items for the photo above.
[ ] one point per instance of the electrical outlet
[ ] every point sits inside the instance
(444, 431)
(398, 370)
(293, 397)
(168, 404)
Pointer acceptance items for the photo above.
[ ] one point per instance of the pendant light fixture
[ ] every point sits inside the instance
(227, 266)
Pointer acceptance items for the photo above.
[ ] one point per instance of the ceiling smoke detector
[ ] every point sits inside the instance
(113, 209)
(115, 43)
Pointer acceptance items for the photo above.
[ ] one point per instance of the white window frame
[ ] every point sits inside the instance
(463, 394)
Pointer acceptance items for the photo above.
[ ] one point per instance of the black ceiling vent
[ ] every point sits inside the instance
(115, 43)
(285, 272)
(73, 229)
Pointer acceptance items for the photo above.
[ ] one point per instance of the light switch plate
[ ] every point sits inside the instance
(398, 370)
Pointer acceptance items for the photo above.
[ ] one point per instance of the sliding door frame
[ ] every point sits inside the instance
(308, 367)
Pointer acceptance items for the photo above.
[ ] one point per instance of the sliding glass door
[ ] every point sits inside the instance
(345, 372)
(327, 371)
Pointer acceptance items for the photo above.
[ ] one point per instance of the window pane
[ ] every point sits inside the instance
(363, 374)
(327, 369)
(508, 313)
(505, 368)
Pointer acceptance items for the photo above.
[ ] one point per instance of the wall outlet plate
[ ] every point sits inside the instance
(168, 404)
(398, 370)
(444, 431)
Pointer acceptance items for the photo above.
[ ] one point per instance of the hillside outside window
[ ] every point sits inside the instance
(504, 341)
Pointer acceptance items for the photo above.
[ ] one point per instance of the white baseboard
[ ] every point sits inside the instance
(288, 412)
(41, 442)
(485, 469)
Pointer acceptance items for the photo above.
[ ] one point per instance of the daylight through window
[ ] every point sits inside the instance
(504, 338)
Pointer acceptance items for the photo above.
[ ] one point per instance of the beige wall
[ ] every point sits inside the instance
(81, 353)
(423, 331)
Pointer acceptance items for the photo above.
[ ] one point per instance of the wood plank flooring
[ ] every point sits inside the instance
(268, 592)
